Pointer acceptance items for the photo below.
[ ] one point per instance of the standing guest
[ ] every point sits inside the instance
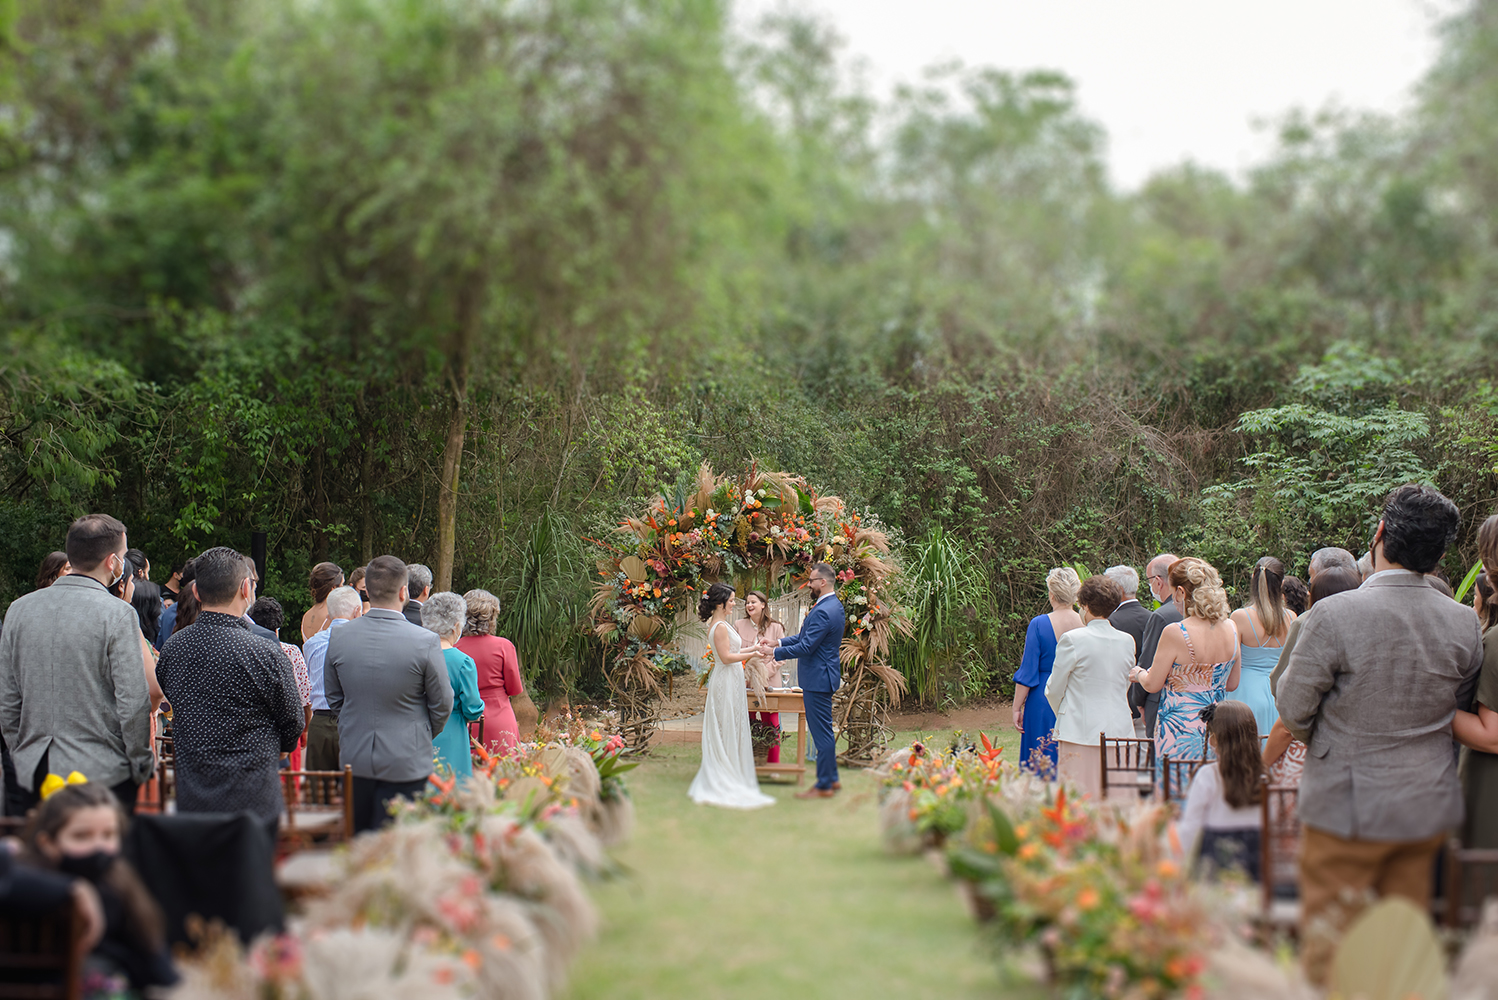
(73, 692)
(1297, 594)
(421, 588)
(1089, 684)
(256, 629)
(1196, 661)
(181, 614)
(356, 580)
(498, 669)
(1483, 603)
(1322, 560)
(54, 566)
(124, 589)
(1262, 627)
(146, 600)
(1478, 729)
(325, 576)
(1365, 566)
(1221, 815)
(387, 683)
(755, 627)
(268, 613)
(235, 706)
(322, 730)
(1167, 614)
(1033, 716)
(1372, 687)
(173, 585)
(1131, 618)
(445, 614)
(815, 648)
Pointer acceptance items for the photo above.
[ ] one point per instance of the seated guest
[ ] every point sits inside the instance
(445, 614)
(1220, 822)
(235, 706)
(77, 831)
(420, 584)
(54, 566)
(268, 613)
(498, 667)
(1372, 686)
(387, 682)
(1088, 687)
(325, 576)
(322, 731)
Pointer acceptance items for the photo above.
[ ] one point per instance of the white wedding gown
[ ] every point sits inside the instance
(726, 777)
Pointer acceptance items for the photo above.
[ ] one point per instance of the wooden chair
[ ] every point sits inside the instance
(1128, 765)
(480, 737)
(1279, 846)
(1176, 775)
(40, 958)
(319, 807)
(166, 773)
(1471, 878)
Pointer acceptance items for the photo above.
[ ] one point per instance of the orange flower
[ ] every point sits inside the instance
(1028, 851)
(471, 959)
(1167, 868)
(1087, 899)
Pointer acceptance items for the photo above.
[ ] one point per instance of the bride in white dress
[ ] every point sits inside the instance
(726, 777)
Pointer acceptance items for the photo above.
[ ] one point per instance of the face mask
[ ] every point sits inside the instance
(115, 582)
(90, 866)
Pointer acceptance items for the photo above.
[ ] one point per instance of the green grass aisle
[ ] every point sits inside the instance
(797, 899)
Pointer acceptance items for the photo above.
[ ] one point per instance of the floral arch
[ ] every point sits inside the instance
(757, 528)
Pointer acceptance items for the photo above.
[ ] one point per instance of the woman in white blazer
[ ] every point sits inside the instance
(1088, 687)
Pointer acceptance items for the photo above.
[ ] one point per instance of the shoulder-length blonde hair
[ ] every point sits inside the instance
(1205, 596)
(483, 613)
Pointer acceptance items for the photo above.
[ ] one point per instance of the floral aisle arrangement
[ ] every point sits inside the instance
(759, 526)
(477, 890)
(927, 795)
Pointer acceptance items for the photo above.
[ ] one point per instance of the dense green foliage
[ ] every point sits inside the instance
(459, 279)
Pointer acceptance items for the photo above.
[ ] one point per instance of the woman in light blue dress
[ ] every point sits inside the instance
(445, 614)
(1263, 626)
(1033, 717)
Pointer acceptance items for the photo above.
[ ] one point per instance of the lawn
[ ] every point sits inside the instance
(798, 899)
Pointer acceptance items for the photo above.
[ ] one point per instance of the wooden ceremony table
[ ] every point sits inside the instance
(784, 700)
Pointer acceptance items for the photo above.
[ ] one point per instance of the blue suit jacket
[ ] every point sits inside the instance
(815, 647)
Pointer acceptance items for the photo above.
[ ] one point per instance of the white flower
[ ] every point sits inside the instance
(760, 492)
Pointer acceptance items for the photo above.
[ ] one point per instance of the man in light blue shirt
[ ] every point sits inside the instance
(344, 605)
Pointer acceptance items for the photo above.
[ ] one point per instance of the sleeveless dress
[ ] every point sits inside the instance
(1253, 682)
(726, 777)
(1039, 718)
(1179, 732)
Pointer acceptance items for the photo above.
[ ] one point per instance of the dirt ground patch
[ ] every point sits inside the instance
(988, 716)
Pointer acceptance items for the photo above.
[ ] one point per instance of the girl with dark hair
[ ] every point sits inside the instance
(1222, 807)
(726, 777)
(54, 565)
(756, 626)
(1297, 595)
(322, 581)
(77, 830)
(1262, 625)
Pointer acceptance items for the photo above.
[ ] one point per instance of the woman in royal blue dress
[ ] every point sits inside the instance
(1033, 717)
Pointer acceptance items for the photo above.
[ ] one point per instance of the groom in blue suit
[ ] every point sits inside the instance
(815, 648)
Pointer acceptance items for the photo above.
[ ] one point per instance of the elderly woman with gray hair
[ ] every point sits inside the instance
(498, 667)
(445, 614)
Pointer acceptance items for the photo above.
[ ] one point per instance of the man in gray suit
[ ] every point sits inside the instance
(1371, 687)
(1166, 614)
(73, 693)
(419, 584)
(386, 681)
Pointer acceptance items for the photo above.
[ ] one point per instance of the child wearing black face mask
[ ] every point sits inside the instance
(77, 831)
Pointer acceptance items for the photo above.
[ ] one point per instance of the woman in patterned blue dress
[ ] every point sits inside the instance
(1197, 662)
(1033, 717)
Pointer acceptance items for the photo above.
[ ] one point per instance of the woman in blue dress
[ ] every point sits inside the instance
(446, 614)
(1033, 717)
(1263, 626)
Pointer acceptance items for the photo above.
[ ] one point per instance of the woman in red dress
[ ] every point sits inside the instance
(499, 669)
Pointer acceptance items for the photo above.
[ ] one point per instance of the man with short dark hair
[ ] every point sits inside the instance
(815, 650)
(1156, 573)
(73, 692)
(235, 705)
(386, 681)
(1379, 793)
(419, 580)
(173, 585)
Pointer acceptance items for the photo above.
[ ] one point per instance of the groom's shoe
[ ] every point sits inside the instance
(837, 786)
(816, 793)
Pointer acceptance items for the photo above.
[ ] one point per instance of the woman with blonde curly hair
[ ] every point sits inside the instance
(1196, 664)
(498, 669)
(1033, 717)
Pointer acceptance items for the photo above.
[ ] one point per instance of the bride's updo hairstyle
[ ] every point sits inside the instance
(712, 599)
(1205, 597)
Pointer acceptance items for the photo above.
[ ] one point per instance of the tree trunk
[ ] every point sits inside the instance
(366, 483)
(447, 497)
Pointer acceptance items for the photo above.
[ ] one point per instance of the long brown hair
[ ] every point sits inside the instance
(324, 578)
(1240, 760)
(188, 605)
(144, 921)
(50, 569)
(769, 619)
(1268, 596)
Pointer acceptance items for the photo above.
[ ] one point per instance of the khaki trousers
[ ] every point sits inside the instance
(1339, 878)
(322, 744)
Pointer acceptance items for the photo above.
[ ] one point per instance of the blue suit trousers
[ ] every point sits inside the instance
(819, 721)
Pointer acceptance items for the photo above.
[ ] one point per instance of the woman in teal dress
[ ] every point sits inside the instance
(445, 614)
(1033, 717)
(1262, 627)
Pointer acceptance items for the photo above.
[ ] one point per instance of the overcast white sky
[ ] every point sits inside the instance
(1170, 80)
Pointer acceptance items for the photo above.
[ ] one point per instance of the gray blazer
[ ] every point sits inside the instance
(387, 682)
(73, 680)
(1371, 686)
